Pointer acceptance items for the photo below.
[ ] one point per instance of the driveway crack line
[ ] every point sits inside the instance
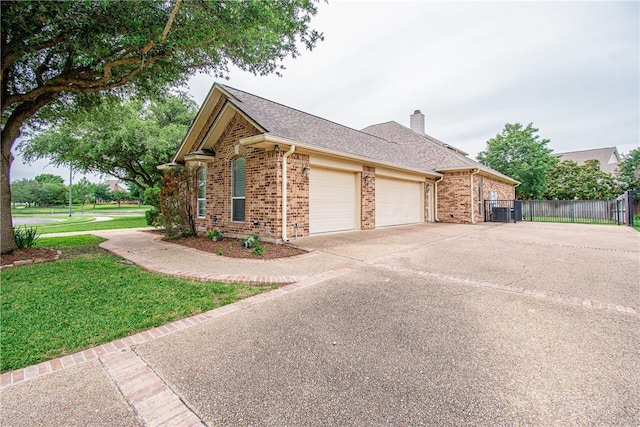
(545, 295)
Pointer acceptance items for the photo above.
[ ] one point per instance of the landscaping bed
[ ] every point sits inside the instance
(233, 248)
(28, 256)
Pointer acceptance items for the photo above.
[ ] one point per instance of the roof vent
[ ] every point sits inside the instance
(416, 122)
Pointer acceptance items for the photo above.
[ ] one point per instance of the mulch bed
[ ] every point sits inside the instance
(233, 248)
(29, 254)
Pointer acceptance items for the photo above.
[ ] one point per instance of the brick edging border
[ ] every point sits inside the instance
(32, 261)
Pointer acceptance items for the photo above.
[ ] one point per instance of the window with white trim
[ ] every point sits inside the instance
(238, 185)
(202, 192)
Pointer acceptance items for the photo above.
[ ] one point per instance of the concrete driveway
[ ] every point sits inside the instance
(434, 324)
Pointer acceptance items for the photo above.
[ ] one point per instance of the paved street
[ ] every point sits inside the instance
(434, 324)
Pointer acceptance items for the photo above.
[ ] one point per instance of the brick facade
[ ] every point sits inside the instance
(261, 195)
(297, 196)
(454, 198)
(263, 202)
(368, 198)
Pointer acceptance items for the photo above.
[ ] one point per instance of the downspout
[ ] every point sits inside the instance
(435, 197)
(473, 172)
(284, 192)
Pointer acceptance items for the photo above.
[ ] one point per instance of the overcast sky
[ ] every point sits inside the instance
(571, 68)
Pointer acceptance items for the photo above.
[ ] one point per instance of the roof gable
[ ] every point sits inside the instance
(388, 143)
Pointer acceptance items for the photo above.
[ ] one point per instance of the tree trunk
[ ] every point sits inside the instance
(10, 133)
(7, 237)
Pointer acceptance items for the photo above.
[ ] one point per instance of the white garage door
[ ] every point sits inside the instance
(397, 202)
(332, 200)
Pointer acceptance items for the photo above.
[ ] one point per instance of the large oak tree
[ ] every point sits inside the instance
(124, 139)
(53, 53)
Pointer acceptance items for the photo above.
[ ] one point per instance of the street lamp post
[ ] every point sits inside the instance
(70, 183)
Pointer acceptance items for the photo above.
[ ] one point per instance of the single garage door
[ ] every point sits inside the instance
(332, 200)
(397, 202)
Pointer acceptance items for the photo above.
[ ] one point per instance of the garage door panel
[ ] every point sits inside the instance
(398, 202)
(332, 200)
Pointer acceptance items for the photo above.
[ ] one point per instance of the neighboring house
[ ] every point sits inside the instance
(278, 172)
(115, 185)
(608, 157)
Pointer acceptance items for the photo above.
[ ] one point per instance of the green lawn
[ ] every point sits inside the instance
(61, 210)
(88, 298)
(89, 223)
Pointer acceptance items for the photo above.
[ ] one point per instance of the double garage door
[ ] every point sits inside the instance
(334, 201)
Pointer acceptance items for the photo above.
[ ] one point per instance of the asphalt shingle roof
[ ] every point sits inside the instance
(601, 154)
(387, 142)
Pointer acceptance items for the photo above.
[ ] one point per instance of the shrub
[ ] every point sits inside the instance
(153, 217)
(152, 197)
(215, 234)
(251, 241)
(258, 250)
(26, 237)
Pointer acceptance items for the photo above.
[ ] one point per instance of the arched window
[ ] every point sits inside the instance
(202, 192)
(238, 184)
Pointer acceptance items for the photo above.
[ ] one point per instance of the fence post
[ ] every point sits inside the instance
(629, 200)
(531, 210)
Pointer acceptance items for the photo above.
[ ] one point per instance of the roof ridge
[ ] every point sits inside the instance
(588, 149)
(305, 113)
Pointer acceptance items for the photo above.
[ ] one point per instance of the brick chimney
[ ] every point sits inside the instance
(416, 121)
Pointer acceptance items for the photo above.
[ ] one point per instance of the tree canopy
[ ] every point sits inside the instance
(57, 53)
(124, 139)
(568, 181)
(629, 169)
(45, 189)
(521, 154)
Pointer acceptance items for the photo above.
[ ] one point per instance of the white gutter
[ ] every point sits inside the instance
(473, 172)
(262, 140)
(436, 197)
(284, 192)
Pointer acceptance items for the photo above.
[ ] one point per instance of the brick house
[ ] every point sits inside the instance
(277, 172)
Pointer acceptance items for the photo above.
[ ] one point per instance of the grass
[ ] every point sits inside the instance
(61, 210)
(89, 223)
(89, 298)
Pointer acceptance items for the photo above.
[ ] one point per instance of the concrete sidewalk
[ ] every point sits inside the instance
(149, 251)
(419, 325)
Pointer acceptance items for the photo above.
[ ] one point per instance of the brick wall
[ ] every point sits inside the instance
(367, 198)
(297, 196)
(454, 198)
(261, 195)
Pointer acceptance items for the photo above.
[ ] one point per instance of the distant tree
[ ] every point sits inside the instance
(120, 195)
(629, 169)
(49, 178)
(24, 191)
(522, 155)
(49, 194)
(124, 139)
(103, 193)
(568, 181)
(57, 54)
(83, 191)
